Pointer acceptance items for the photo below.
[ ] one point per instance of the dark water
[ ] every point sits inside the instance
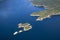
(13, 12)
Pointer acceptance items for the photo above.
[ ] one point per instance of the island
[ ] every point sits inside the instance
(51, 8)
(25, 26)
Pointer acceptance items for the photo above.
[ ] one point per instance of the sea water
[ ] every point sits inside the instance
(13, 12)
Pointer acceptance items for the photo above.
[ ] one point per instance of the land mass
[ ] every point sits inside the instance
(25, 26)
(51, 8)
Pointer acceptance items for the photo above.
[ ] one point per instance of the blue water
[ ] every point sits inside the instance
(13, 12)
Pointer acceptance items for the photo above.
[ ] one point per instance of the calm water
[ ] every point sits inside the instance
(13, 12)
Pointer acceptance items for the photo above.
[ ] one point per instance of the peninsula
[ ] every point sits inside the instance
(52, 7)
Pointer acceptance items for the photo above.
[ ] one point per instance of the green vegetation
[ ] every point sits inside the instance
(53, 8)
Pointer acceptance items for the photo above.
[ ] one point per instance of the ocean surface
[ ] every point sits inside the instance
(13, 12)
